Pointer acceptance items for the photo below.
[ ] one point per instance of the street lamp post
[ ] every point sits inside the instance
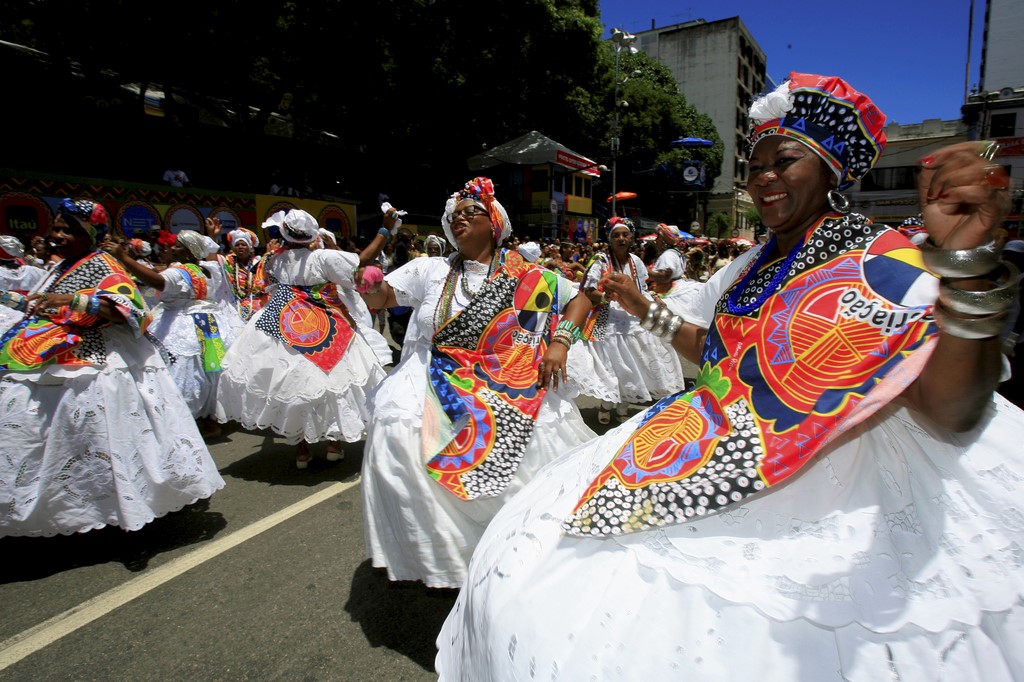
(623, 41)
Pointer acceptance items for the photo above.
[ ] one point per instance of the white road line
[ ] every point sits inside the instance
(35, 638)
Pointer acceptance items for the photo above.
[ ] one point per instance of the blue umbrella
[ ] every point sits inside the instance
(692, 142)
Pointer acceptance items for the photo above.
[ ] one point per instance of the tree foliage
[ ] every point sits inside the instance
(393, 97)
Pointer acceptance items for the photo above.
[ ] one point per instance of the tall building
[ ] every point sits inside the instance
(719, 68)
(995, 108)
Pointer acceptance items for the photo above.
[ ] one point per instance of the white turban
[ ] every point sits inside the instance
(434, 239)
(530, 251)
(193, 241)
(243, 235)
(211, 246)
(297, 226)
(11, 247)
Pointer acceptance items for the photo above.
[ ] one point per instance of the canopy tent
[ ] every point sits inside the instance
(530, 149)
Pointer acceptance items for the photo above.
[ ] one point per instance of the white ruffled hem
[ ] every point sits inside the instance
(418, 530)
(897, 554)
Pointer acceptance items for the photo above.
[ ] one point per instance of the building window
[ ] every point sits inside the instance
(1003, 125)
(897, 177)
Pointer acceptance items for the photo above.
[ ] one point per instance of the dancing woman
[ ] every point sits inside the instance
(93, 430)
(839, 496)
(618, 361)
(299, 367)
(195, 330)
(467, 416)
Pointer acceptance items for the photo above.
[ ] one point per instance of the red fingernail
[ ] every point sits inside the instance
(928, 160)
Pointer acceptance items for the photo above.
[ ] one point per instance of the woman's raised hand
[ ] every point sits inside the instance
(963, 195)
(620, 287)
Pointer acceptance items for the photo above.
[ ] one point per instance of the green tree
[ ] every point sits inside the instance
(718, 225)
(393, 97)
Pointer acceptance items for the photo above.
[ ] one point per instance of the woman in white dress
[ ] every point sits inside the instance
(466, 417)
(840, 495)
(93, 431)
(195, 330)
(299, 367)
(619, 362)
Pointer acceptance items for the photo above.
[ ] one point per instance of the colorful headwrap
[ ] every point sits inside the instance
(140, 248)
(242, 234)
(165, 238)
(836, 122)
(193, 241)
(670, 233)
(481, 191)
(88, 215)
(617, 221)
(297, 226)
(11, 247)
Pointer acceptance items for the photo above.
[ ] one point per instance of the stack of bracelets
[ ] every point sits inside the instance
(566, 333)
(661, 322)
(968, 314)
(85, 304)
(12, 299)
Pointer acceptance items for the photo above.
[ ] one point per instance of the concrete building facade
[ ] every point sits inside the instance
(888, 194)
(995, 108)
(720, 69)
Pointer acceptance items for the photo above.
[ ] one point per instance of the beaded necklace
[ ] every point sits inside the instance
(613, 266)
(457, 278)
(733, 303)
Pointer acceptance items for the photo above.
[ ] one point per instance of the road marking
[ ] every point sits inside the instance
(35, 638)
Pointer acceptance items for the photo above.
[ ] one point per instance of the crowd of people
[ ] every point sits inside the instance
(834, 492)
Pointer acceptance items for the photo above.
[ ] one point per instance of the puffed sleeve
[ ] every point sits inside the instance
(339, 266)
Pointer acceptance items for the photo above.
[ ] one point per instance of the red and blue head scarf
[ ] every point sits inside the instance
(88, 215)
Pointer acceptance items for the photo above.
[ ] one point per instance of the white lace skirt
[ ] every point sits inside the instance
(268, 385)
(897, 555)
(412, 525)
(625, 368)
(85, 448)
(176, 329)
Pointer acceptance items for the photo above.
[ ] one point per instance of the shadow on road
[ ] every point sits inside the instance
(42, 557)
(273, 462)
(402, 616)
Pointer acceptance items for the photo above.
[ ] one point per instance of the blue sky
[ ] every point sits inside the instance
(909, 56)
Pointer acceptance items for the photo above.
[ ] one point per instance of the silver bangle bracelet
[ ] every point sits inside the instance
(974, 328)
(994, 300)
(975, 262)
(673, 326)
(660, 320)
(648, 320)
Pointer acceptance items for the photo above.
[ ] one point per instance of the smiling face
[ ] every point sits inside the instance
(70, 240)
(789, 185)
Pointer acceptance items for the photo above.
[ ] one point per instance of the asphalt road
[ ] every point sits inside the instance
(266, 580)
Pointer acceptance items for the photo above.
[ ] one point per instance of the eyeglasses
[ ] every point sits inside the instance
(468, 213)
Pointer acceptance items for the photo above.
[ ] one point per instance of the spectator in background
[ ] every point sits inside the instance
(177, 178)
(15, 273)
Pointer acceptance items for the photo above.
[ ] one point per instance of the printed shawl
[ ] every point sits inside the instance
(849, 327)
(483, 398)
(312, 320)
(207, 330)
(71, 338)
